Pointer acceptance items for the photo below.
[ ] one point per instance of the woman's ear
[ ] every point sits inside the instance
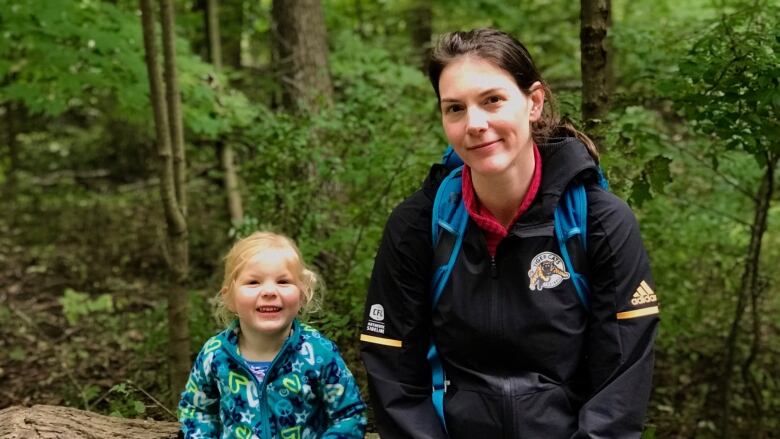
(537, 101)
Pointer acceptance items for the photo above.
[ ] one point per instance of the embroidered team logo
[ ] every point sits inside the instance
(547, 271)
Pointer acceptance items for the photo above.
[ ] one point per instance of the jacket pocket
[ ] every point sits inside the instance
(472, 414)
(547, 413)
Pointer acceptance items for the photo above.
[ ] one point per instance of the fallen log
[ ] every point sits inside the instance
(55, 422)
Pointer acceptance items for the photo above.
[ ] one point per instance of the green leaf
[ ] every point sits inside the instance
(640, 191)
(17, 354)
(658, 173)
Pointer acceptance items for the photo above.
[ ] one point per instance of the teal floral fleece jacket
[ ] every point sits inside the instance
(308, 392)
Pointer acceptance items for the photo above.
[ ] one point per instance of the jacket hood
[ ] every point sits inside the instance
(565, 159)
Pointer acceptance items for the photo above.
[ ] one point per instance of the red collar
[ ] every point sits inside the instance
(493, 229)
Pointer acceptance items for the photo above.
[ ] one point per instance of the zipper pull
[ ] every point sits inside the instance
(493, 267)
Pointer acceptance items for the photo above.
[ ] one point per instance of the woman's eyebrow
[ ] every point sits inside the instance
(481, 93)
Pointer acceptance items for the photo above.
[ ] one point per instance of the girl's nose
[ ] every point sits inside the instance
(268, 289)
(477, 121)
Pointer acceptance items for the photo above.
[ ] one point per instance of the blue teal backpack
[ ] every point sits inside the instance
(450, 216)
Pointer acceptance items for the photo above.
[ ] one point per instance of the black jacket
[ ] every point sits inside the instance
(524, 360)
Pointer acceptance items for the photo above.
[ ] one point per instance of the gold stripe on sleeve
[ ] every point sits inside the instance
(379, 340)
(637, 313)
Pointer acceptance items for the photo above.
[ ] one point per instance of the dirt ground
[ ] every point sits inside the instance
(91, 364)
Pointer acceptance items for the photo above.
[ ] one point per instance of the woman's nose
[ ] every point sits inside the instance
(477, 121)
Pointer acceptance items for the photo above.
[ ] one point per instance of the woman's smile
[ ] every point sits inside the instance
(483, 145)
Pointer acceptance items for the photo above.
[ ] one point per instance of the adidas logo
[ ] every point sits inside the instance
(644, 294)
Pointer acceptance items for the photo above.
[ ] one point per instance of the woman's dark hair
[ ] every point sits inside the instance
(510, 55)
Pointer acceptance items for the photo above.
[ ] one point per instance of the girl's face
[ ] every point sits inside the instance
(486, 117)
(265, 294)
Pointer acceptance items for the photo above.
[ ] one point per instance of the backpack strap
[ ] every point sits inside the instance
(448, 225)
(571, 220)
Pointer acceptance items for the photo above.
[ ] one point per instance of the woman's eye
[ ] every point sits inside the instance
(493, 99)
(453, 108)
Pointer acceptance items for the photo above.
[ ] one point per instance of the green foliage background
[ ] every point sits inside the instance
(694, 118)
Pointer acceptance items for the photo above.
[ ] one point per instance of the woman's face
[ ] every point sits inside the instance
(486, 117)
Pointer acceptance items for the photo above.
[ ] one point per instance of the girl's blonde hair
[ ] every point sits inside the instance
(245, 249)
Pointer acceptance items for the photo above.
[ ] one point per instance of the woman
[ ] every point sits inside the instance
(523, 358)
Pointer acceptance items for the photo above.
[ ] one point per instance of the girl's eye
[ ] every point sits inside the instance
(284, 281)
(493, 99)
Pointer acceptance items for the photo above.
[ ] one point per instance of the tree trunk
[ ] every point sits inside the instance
(594, 24)
(232, 17)
(173, 100)
(300, 49)
(748, 290)
(224, 150)
(52, 422)
(13, 146)
(420, 19)
(177, 255)
(212, 28)
(235, 205)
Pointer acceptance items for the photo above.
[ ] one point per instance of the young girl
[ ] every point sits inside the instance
(268, 375)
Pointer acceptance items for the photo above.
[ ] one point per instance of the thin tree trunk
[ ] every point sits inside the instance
(232, 16)
(215, 46)
(594, 24)
(173, 100)
(178, 334)
(224, 150)
(359, 17)
(301, 54)
(420, 18)
(235, 205)
(13, 146)
(748, 287)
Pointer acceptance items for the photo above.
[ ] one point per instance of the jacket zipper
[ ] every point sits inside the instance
(261, 385)
(506, 385)
(493, 268)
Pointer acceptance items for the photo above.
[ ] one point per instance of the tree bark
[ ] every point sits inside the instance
(748, 290)
(300, 50)
(177, 255)
(594, 25)
(52, 422)
(224, 150)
